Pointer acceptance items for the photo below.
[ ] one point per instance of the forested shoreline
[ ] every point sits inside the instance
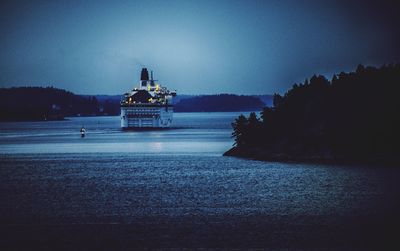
(44, 103)
(354, 117)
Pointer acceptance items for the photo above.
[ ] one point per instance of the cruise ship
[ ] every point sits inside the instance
(147, 106)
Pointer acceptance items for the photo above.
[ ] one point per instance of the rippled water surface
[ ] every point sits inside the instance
(173, 188)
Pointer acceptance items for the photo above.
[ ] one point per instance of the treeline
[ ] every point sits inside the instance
(219, 103)
(200, 103)
(38, 103)
(353, 117)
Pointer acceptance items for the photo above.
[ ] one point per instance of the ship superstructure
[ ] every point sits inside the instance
(147, 106)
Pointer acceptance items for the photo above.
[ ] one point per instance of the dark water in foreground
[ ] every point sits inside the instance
(174, 189)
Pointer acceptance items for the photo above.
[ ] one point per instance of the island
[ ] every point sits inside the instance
(44, 103)
(353, 118)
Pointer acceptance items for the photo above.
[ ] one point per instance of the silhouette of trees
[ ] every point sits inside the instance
(355, 116)
(38, 103)
(245, 131)
(239, 130)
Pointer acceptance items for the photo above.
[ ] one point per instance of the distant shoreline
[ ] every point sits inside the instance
(111, 115)
(41, 104)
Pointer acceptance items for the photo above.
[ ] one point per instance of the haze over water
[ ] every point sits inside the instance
(173, 188)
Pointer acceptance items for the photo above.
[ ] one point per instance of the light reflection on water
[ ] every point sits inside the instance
(192, 132)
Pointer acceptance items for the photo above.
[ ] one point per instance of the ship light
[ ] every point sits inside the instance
(130, 100)
(148, 87)
(157, 87)
(150, 99)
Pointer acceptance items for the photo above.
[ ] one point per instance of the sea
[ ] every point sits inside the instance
(174, 189)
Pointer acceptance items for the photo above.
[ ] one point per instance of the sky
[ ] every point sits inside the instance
(194, 47)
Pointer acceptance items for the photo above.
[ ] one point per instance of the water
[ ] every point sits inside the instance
(173, 188)
(193, 132)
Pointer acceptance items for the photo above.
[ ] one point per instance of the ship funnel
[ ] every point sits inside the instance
(144, 75)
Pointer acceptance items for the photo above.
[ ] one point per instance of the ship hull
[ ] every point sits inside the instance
(146, 117)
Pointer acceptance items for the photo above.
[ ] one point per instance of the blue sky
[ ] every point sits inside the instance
(195, 47)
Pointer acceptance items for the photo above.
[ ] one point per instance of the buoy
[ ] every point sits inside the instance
(83, 131)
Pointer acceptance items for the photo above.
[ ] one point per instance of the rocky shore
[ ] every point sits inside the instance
(322, 156)
(269, 155)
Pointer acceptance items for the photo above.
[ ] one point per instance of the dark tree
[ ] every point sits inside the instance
(239, 130)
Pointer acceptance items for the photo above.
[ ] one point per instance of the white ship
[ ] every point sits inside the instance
(149, 106)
